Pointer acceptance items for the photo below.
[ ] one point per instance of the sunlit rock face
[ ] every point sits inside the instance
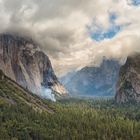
(128, 86)
(93, 81)
(22, 60)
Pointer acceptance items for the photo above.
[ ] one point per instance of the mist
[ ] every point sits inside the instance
(47, 94)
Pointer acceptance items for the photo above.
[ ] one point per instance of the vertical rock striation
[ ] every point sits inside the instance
(128, 86)
(22, 60)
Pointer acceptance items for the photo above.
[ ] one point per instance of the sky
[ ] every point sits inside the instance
(76, 33)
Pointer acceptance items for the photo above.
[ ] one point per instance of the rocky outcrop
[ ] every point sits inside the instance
(128, 86)
(22, 60)
(93, 81)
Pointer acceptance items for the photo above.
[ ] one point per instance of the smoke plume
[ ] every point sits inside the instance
(47, 93)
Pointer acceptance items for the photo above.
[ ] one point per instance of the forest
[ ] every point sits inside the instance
(71, 119)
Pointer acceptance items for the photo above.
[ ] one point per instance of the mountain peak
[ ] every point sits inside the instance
(93, 81)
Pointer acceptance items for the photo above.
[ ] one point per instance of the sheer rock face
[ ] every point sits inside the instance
(93, 81)
(128, 86)
(22, 61)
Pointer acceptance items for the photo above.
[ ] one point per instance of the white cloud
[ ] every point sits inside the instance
(61, 27)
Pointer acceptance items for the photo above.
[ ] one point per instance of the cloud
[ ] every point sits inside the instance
(60, 26)
(96, 32)
(134, 2)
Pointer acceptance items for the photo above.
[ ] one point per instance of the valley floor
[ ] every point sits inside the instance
(72, 119)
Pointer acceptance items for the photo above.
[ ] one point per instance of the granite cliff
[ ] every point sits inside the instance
(22, 60)
(128, 85)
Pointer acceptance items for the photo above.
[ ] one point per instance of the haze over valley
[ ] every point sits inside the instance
(69, 70)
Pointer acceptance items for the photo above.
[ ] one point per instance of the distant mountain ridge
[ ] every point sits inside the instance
(22, 60)
(93, 81)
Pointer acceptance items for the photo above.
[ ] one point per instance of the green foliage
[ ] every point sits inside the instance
(23, 117)
(72, 120)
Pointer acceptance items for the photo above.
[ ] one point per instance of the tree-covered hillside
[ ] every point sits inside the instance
(24, 116)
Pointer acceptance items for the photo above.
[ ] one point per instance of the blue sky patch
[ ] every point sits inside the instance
(134, 2)
(99, 34)
(112, 17)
